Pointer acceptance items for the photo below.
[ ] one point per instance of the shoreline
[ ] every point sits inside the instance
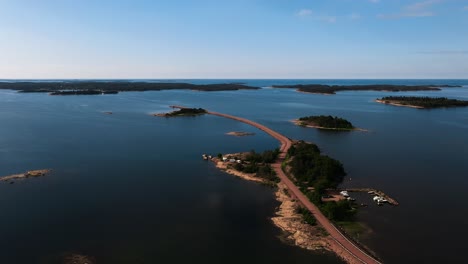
(295, 230)
(297, 122)
(397, 104)
(299, 91)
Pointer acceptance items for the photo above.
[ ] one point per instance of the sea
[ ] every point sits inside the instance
(129, 187)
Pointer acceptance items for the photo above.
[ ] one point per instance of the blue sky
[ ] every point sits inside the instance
(234, 39)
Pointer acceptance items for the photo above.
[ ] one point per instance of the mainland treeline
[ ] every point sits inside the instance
(425, 102)
(117, 86)
(327, 122)
(332, 89)
(312, 169)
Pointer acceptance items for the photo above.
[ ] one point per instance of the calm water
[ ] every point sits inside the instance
(132, 188)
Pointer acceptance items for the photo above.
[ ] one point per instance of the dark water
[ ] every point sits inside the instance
(132, 188)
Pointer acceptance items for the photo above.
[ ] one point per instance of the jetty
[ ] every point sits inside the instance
(28, 174)
(371, 191)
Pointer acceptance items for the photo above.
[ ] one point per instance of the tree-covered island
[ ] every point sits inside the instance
(332, 89)
(422, 102)
(183, 112)
(325, 122)
(113, 87)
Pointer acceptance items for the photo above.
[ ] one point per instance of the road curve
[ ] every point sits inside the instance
(357, 253)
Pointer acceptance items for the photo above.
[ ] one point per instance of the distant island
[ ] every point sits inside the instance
(332, 89)
(421, 102)
(240, 134)
(28, 174)
(113, 87)
(325, 122)
(183, 112)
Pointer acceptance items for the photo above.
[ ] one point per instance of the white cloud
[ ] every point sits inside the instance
(419, 9)
(304, 13)
(465, 8)
(354, 16)
(329, 19)
(309, 14)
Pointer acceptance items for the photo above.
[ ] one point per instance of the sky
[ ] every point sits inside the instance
(258, 39)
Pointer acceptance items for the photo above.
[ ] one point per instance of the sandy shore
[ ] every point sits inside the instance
(397, 104)
(297, 231)
(246, 176)
(299, 123)
(287, 219)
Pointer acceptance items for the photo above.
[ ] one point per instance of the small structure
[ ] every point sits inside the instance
(344, 193)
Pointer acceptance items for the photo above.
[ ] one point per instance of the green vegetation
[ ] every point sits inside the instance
(327, 122)
(307, 216)
(98, 87)
(186, 112)
(353, 228)
(259, 163)
(332, 89)
(424, 102)
(312, 169)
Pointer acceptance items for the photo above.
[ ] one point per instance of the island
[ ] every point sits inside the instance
(28, 174)
(183, 111)
(325, 122)
(422, 102)
(332, 89)
(240, 134)
(114, 87)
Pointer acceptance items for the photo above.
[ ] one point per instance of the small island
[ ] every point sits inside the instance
(183, 112)
(332, 89)
(240, 134)
(28, 174)
(421, 102)
(325, 122)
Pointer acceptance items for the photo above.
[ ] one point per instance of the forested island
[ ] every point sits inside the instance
(183, 112)
(325, 122)
(113, 87)
(422, 102)
(332, 89)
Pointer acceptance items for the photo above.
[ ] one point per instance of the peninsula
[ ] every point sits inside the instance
(332, 89)
(183, 112)
(421, 102)
(325, 122)
(113, 87)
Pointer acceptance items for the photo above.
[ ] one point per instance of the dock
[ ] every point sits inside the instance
(371, 191)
